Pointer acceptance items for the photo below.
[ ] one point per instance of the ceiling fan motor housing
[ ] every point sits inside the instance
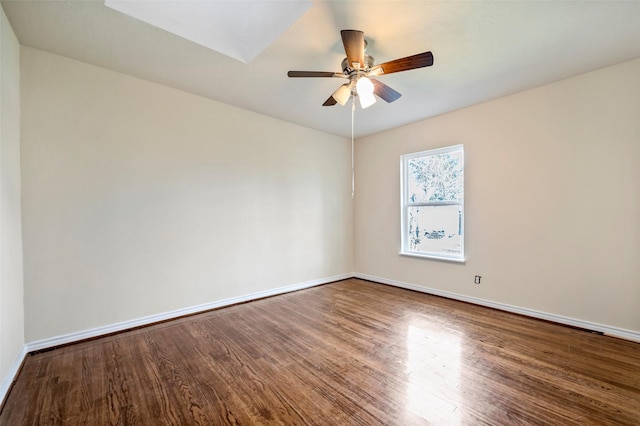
(348, 69)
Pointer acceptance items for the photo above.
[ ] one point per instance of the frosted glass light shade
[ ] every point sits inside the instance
(342, 94)
(365, 88)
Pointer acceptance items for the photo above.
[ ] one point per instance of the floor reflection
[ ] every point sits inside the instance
(433, 369)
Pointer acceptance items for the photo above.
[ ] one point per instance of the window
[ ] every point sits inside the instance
(433, 203)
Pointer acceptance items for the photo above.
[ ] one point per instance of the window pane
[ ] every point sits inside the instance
(435, 229)
(436, 177)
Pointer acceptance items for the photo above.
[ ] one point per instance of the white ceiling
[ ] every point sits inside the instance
(482, 50)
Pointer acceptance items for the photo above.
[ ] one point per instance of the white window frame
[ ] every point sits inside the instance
(406, 203)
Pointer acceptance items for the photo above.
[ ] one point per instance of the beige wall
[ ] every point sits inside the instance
(139, 199)
(552, 208)
(11, 285)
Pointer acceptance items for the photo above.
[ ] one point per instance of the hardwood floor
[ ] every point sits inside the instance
(346, 353)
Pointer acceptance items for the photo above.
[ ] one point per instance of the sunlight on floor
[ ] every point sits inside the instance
(433, 368)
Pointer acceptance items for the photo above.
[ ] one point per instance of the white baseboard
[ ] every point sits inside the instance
(605, 329)
(12, 374)
(125, 325)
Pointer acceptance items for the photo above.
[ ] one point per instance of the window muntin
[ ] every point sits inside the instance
(433, 203)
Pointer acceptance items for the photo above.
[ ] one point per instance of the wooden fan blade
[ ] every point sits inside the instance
(353, 42)
(330, 102)
(405, 64)
(311, 74)
(384, 91)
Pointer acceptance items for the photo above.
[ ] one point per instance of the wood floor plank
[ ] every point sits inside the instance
(347, 353)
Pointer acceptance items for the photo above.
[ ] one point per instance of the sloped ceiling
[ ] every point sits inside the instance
(238, 29)
(482, 50)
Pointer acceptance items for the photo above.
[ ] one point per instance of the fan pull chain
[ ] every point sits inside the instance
(353, 176)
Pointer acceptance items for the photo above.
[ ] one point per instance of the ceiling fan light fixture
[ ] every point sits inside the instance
(358, 66)
(365, 89)
(342, 94)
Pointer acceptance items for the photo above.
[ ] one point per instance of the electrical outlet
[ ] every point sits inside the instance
(476, 280)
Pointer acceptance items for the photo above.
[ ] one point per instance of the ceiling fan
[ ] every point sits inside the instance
(359, 69)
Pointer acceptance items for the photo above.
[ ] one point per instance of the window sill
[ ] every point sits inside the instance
(433, 257)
